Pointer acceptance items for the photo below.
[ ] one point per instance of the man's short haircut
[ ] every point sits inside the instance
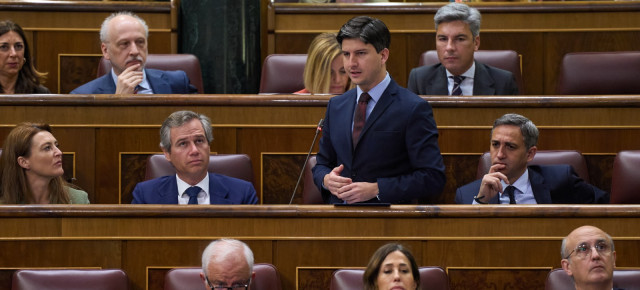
(368, 30)
(220, 249)
(104, 29)
(527, 128)
(564, 252)
(459, 12)
(179, 118)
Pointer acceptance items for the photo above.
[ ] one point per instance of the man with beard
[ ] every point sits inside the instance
(124, 43)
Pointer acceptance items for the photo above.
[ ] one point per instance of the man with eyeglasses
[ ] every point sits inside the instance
(227, 264)
(589, 257)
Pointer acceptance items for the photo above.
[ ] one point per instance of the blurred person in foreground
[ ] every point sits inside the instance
(392, 266)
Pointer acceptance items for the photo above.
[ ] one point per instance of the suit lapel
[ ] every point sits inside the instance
(170, 196)
(439, 83)
(218, 192)
(107, 85)
(158, 82)
(540, 190)
(483, 83)
(386, 99)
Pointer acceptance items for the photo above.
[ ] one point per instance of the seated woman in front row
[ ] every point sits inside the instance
(31, 169)
(324, 72)
(392, 265)
(17, 73)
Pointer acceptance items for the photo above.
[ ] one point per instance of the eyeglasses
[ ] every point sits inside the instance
(244, 286)
(584, 250)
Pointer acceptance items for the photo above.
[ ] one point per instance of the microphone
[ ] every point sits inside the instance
(318, 129)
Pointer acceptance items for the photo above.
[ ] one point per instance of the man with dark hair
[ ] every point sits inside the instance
(380, 141)
(457, 38)
(511, 181)
(184, 139)
(123, 37)
(589, 257)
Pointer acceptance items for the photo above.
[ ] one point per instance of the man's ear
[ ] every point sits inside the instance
(167, 154)
(385, 55)
(531, 153)
(204, 280)
(23, 162)
(565, 266)
(105, 54)
(476, 42)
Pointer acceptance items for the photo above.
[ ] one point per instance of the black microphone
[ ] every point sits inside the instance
(318, 129)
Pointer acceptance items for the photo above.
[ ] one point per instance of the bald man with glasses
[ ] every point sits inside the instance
(589, 257)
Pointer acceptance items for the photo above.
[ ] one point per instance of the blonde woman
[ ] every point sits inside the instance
(324, 72)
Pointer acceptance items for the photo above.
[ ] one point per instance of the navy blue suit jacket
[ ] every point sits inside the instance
(398, 147)
(557, 184)
(222, 190)
(162, 82)
(487, 81)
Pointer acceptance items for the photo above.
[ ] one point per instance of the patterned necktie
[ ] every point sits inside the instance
(457, 90)
(510, 190)
(360, 117)
(192, 192)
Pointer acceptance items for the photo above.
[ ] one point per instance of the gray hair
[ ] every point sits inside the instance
(179, 118)
(104, 29)
(459, 12)
(222, 248)
(564, 252)
(527, 128)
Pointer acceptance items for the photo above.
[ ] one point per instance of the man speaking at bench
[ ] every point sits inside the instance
(124, 43)
(185, 138)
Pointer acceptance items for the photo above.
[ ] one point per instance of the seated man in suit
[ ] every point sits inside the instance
(457, 38)
(510, 180)
(124, 43)
(227, 264)
(185, 138)
(380, 141)
(589, 257)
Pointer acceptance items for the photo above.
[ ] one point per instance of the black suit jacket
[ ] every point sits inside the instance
(488, 81)
(398, 147)
(557, 184)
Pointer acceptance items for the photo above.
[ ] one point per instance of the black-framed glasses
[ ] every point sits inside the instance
(583, 250)
(243, 286)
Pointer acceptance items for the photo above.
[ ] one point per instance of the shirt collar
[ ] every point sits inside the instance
(521, 184)
(203, 184)
(469, 74)
(376, 92)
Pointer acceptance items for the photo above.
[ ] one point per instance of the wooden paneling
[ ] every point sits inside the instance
(306, 243)
(58, 27)
(276, 132)
(540, 32)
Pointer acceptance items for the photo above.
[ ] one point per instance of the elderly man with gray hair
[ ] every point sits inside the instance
(185, 138)
(227, 264)
(511, 181)
(457, 38)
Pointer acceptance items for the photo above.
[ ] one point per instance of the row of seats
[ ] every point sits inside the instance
(581, 73)
(266, 278)
(624, 183)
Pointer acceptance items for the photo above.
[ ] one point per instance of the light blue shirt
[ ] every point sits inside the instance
(523, 192)
(143, 88)
(467, 84)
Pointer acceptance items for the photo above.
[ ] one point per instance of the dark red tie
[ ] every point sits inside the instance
(360, 117)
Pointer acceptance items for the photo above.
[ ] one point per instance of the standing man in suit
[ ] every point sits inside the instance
(589, 257)
(228, 264)
(124, 43)
(457, 38)
(185, 138)
(380, 141)
(510, 180)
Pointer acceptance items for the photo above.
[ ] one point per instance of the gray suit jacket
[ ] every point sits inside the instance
(488, 81)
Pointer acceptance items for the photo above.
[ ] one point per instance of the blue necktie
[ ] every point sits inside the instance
(192, 192)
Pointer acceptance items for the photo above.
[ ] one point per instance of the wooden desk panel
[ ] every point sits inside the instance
(309, 240)
(100, 128)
